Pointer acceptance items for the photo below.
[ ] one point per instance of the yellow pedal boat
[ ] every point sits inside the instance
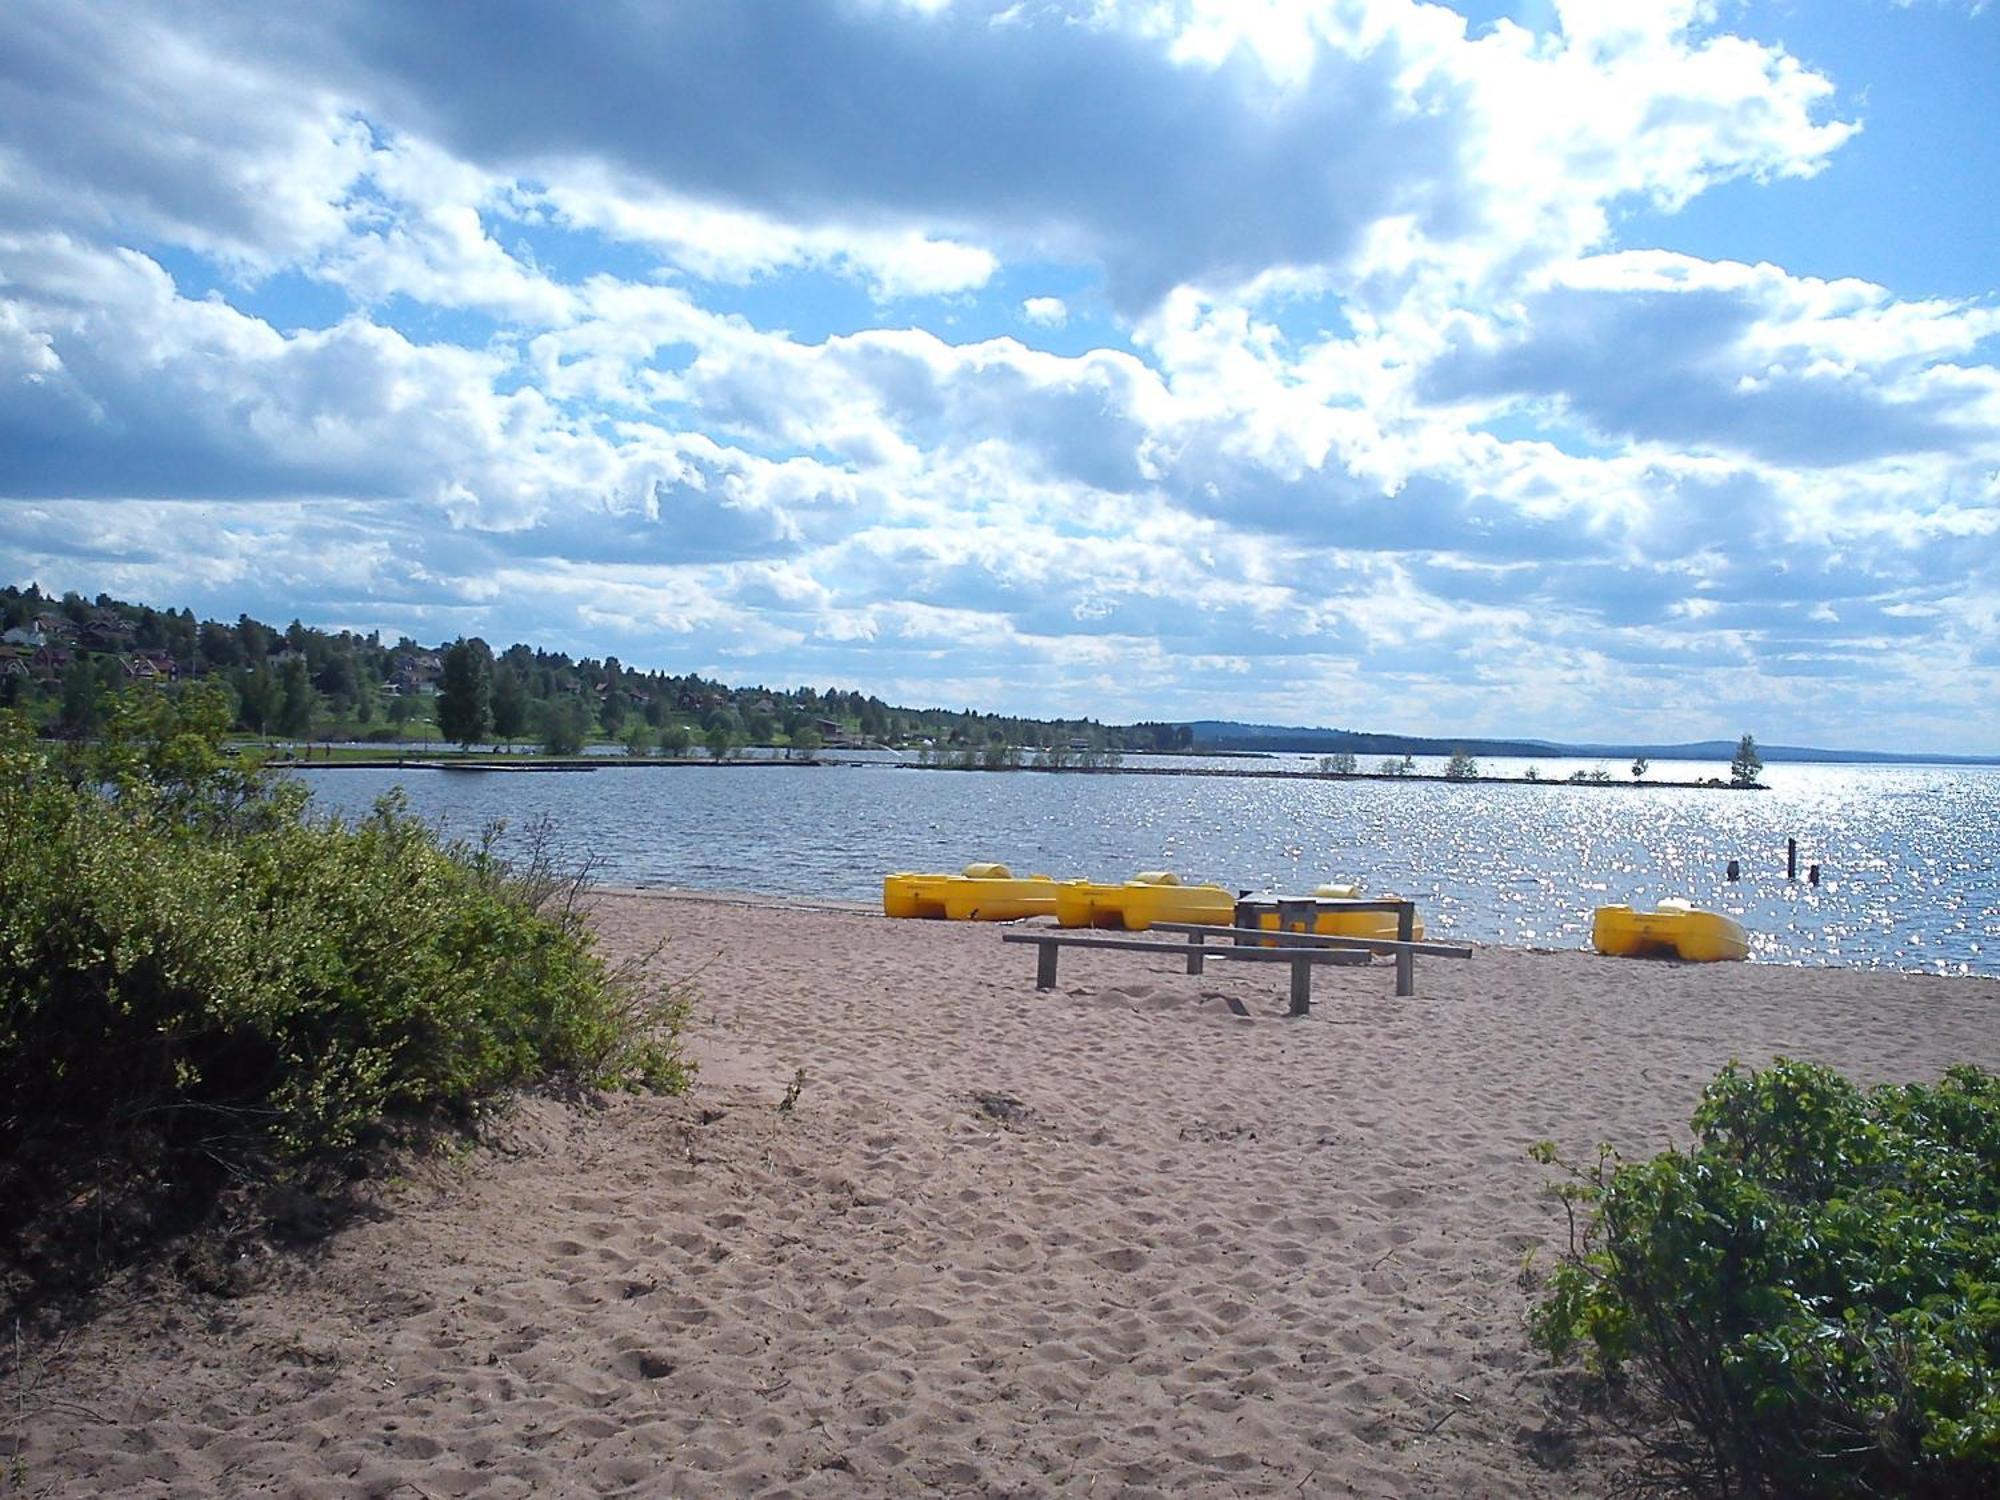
(982, 893)
(1678, 929)
(1136, 904)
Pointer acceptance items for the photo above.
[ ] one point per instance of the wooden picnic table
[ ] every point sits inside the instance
(1303, 951)
(1301, 913)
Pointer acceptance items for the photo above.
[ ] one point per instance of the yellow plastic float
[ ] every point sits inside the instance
(983, 893)
(1136, 904)
(1678, 929)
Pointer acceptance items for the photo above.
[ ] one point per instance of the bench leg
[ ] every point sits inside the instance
(1195, 956)
(1302, 987)
(1406, 961)
(1045, 966)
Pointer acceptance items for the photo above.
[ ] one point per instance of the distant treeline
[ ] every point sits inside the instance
(63, 657)
(1225, 736)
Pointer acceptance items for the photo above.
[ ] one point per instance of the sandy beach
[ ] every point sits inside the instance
(1115, 1239)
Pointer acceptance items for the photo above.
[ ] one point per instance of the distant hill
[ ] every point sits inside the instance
(1228, 735)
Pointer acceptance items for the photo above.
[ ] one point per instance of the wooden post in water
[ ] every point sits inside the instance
(1733, 870)
(1791, 859)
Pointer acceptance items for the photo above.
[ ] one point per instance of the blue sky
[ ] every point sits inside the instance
(1580, 370)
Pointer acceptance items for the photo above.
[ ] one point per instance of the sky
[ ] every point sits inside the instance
(1573, 369)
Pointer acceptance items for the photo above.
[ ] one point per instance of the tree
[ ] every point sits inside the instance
(1342, 764)
(1640, 767)
(1744, 768)
(675, 739)
(806, 741)
(465, 693)
(1461, 766)
(82, 700)
(261, 698)
(562, 727)
(295, 701)
(510, 705)
(612, 713)
(719, 739)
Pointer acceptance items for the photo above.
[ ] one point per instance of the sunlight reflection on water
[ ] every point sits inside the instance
(1908, 854)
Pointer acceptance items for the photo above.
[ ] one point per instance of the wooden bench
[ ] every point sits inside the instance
(1302, 950)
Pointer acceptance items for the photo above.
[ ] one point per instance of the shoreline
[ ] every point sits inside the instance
(517, 764)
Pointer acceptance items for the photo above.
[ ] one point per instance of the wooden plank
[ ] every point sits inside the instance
(1318, 939)
(1195, 954)
(1325, 903)
(1130, 945)
(1045, 966)
(1302, 986)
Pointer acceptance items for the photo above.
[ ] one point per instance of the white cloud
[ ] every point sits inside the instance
(1394, 403)
(1045, 312)
(726, 244)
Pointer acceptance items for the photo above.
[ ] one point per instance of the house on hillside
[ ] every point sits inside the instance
(150, 666)
(112, 634)
(416, 672)
(26, 636)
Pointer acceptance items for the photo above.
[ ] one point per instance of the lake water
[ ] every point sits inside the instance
(1909, 855)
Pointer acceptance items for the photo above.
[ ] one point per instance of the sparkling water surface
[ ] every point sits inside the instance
(1909, 855)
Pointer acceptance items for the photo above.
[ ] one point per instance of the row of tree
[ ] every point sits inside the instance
(300, 682)
(1744, 768)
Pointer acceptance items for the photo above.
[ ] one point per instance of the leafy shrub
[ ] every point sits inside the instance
(1814, 1289)
(196, 973)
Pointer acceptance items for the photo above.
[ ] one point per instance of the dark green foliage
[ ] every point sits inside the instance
(1814, 1288)
(563, 726)
(612, 714)
(350, 678)
(465, 695)
(82, 709)
(295, 701)
(261, 697)
(197, 977)
(1746, 764)
(510, 704)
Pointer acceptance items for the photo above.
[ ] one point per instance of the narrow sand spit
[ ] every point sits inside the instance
(1115, 1239)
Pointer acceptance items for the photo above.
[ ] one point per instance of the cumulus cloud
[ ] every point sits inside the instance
(1390, 401)
(1667, 349)
(1045, 312)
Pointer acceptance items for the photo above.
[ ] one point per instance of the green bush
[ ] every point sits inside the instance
(1814, 1288)
(194, 971)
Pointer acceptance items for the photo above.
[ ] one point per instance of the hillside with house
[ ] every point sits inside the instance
(60, 658)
